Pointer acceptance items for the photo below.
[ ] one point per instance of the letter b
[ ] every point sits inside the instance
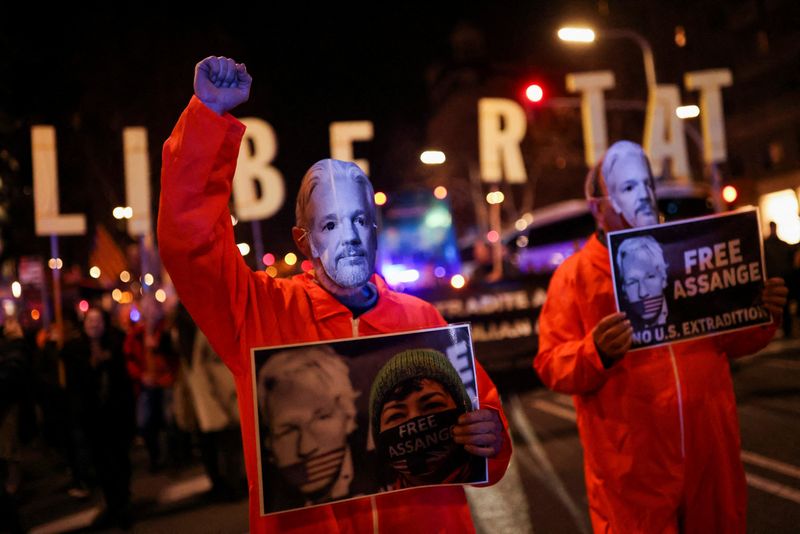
(253, 168)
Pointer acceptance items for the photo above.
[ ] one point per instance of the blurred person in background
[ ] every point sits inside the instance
(14, 381)
(152, 365)
(779, 257)
(211, 394)
(101, 400)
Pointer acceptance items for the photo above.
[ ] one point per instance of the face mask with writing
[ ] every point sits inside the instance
(648, 309)
(316, 472)
(426, 455)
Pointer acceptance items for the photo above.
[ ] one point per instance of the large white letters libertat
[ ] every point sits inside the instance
(48, 220)
(342, 136)
(254, 172)
(664, 137)
(710, 83)
(259, 189)
(501, 127)
(593, 110)
(137, 180)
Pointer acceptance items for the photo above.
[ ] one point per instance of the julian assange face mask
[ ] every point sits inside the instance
(423, 446)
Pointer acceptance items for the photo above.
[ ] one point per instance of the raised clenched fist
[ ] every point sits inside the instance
(221, 83)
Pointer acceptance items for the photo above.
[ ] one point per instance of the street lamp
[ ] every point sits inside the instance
(495, 199)
(587, 35)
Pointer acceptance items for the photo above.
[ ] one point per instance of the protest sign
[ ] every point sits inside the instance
(350, 418)
(691, 278)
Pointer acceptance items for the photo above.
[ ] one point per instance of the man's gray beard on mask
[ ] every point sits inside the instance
(348, 276)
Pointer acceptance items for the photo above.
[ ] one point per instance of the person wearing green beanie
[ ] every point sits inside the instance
(415, 401)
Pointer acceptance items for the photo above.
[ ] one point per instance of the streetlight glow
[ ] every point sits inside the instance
(125, 276)
(440, 192)
(380, 198)
(576, 35)
(432, 157)
(290, 258)
(457, 281)
(94, 271)
(729, 193)
(16, 289)
(244, 248)
(687, 112)
(495, 197)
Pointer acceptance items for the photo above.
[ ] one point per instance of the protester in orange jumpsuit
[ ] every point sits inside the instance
(658, 426)
(239, 309)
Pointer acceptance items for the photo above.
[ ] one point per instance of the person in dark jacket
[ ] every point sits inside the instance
(13, 377)
(101, 400)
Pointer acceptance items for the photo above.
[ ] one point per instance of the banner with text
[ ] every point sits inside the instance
(691, 278)
(344, 419)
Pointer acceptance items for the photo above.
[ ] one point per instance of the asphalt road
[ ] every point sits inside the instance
(542, 492)
(548, 458)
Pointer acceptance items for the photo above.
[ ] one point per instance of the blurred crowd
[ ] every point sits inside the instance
(88, 390)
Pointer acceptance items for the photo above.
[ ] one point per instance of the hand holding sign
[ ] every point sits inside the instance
(481, 432)
(774, 297)
(221, 83)
(613, 336)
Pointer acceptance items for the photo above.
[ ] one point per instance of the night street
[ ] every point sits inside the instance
(542, 492)
(323, 248)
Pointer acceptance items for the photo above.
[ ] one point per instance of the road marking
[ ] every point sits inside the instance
(769, 463)
(503, 507)
(564, 400)
(170, 494)
(69, 523)
(790, 365)
(552, 408)
(536, 450)
(184, 489)
(769, 486)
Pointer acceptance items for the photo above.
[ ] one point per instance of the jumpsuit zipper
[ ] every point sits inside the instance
(680, 399)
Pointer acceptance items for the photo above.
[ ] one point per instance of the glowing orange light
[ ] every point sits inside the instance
(440, 192)
(35, 315)
(380, 198)
(729, 193)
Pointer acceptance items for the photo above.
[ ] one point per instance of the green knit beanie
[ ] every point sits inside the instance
(415, 363)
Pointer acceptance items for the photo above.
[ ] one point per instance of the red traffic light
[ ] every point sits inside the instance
(534, 92)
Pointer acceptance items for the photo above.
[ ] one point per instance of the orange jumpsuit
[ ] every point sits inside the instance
(659, 427)
(239, 309)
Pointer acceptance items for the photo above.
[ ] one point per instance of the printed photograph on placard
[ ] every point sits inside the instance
(690, 279)
(350, 418)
